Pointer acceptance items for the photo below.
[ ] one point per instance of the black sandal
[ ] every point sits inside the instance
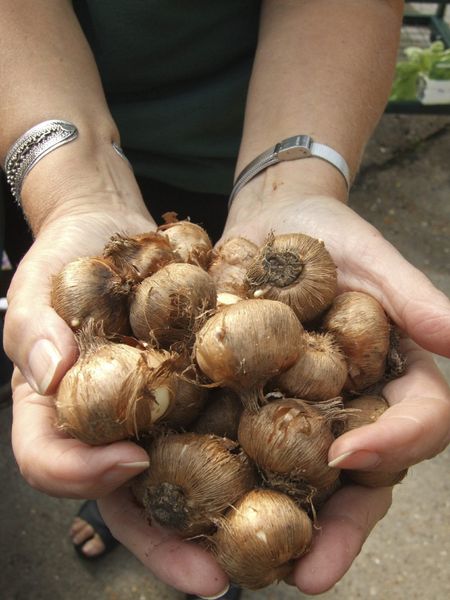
(89, 512)
(234, 593)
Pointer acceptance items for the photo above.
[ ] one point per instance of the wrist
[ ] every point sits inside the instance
(292, 181)
(86, 175)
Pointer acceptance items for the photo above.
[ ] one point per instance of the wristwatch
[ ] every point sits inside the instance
(292, 148)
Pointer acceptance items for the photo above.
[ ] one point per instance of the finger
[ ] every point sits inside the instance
(415, 427)
(343, 525)
(36, 339)
(61, 466)
(407, 295)
(183, 565)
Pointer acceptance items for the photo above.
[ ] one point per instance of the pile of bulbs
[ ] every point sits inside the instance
(235, 368)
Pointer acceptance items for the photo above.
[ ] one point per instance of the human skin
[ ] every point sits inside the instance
(83, 192)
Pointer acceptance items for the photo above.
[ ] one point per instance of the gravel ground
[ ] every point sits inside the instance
(404, 190)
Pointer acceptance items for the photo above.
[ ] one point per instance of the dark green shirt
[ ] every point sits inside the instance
(176, 75)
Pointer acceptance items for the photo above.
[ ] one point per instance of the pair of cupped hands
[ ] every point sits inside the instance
(415, 427)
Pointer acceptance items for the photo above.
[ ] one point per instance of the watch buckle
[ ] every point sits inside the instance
(293, 148)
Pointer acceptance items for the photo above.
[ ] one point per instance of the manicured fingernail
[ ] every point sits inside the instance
(356, 459)
(218, 595)
(43, 361)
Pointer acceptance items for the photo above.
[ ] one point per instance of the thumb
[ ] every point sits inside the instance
(36, 339)
(408, 296)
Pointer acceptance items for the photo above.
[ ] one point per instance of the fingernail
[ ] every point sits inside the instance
(356, 459)
(224, 591)
(143, 464)
(43, 361)
(119, 471)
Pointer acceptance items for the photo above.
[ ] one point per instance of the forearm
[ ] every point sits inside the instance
(48, 72)
(322, 68)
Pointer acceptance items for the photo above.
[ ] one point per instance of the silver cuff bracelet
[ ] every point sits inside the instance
(33, 145)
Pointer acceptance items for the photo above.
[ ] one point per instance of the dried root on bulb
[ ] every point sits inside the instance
(259, 539)
(246, 344)
(193, 480)
(295, 269)
(92, 289)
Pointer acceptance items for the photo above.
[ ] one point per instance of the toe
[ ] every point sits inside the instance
(94, 546)
(83, 534)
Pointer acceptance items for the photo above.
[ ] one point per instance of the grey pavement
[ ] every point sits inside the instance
(403, 189)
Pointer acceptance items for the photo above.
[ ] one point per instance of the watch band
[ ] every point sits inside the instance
(292, 148)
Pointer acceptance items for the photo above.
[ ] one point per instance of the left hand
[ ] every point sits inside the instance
(417, 424)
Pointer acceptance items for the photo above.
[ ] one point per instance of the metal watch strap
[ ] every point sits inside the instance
(292, 148)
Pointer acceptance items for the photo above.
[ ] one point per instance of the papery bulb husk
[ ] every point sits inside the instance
(90, 288)
(259, 539)
(146, 252)
(319, 374)
(111, 393)
(246, 344)
(295, 269)
(374, 479)
(365, 410)
(289, 440)
(193, 479)
(189, 241)
(190, 398)
(167, 306)
(221, 415)
(229, 265)
(361, 328)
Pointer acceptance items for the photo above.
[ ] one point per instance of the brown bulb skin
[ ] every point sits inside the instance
(319, 374)
(289, 440)
(259, 539)
(189, 241)
(193, 480)
(91, 289)
(167, 306)
(246, 344)
(111, 393)
(229, 265)
(361, 328)
(365, 410)
(221, 415)
(295, 269)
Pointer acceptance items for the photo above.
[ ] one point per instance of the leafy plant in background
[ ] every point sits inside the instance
(432, 62)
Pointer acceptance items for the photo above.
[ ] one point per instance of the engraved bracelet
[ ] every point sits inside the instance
(36, 143)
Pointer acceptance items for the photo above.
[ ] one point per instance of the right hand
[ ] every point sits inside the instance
(43, 347)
